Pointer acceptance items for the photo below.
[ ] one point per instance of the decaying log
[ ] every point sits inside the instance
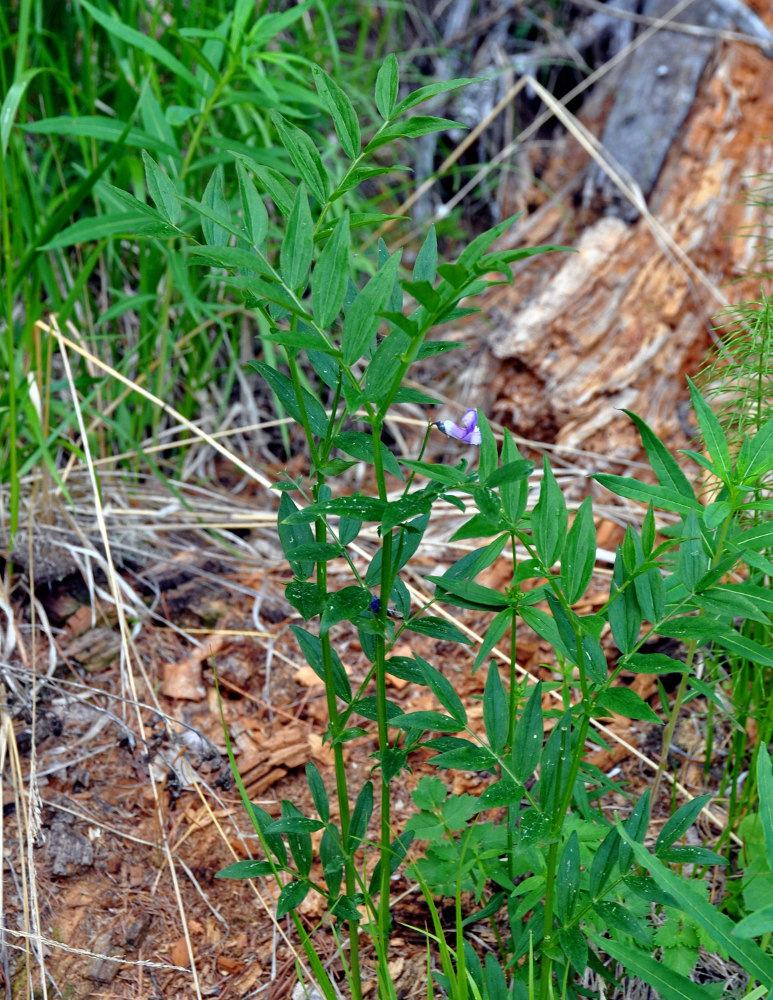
(622, 322)
(655, 93)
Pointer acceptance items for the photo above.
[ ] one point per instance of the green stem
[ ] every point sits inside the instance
(546, 972)
(387, 579)
(512, 811)
(340, 771)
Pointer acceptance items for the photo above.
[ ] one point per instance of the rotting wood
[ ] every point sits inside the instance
(622, 323)
(656, 89)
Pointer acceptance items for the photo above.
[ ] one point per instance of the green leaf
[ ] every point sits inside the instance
(425, 265)
(438, 628)
(664, 465)
(11, 104)
(628, 703)
(233, 258)
(754, 925)
(254, 214)
(499, 625)
(549, 518)
(678, 824)
(713, 436)
(469, 758)
(717, 925)
(246, 869)
(145, 43)
(432, 90)
(527, 742)
(311, 647)
(568, 879)
(495, 710)
(363, 316)
(356, 505)
(689, 855)
(341, 111)
(343, 605)
(501, 794)
(241, 14)
(411, 129)
(623, 612)
(304, 156)
(387, 83)
(360, 445)
(294, 823)
(636, 828)
(765, 789)
(448, 475)
(473, 594)
(278, 187)
(292, 894)
(214, 199)
(654, 663)
(514, 492)
(298, 243)
(511, 472)
(760, 455)
(594, 659)
(291, 536)
(361, 814)
(285, 392)
(728, 638)
(331, 275)
(305, 598)
(669, 984)
(726, 603)
(108, 225)
(385, 364)
(308, 340)
(317, 551)
(579, 555)
(604, 861)
(261, 820)
(298, 836)
(161, 190)
(659, 496)
(692, 561)
(426, 721)
(444, 691)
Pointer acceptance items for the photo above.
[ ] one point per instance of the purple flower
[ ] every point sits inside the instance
(467, 431)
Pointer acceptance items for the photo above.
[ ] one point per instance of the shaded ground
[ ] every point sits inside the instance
(552, 357)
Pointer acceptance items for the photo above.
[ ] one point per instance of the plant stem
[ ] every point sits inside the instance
(387, 575)
(340, 774)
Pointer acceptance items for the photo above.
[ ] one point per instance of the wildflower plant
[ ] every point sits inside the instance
(566, 885)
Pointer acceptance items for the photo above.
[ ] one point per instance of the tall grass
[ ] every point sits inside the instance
(85, 92)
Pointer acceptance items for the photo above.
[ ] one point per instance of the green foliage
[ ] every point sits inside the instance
(278, 223)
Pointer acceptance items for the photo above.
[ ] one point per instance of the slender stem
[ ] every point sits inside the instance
(387, 579)
(342, 793)
(512, 811)
(546, 972)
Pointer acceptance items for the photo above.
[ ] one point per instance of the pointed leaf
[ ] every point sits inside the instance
(298, 243)
(305, 157)
(291, 896)
(331, 274)
(161, 190)
(254, 212)
(549, 518)
(387, 83)
(363, 316)
(341, 111)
